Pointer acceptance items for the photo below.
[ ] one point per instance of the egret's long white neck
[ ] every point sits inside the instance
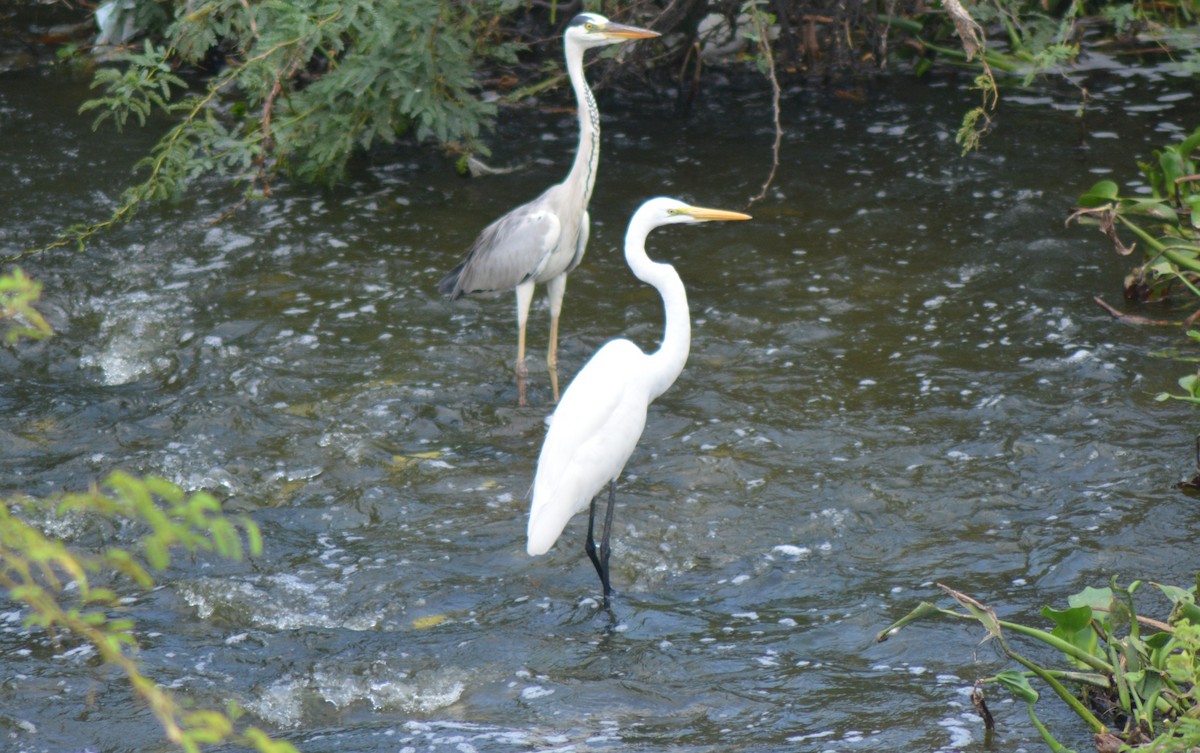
(587, 156)
(666, 362)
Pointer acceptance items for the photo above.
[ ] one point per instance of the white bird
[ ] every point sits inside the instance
(545, 239)
(603, 412)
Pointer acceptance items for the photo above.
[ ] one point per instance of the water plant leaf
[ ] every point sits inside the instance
(1091, 597)
(1154, 208)
(1070, 620)
(1018, 684)
(1193, 204)
(1184, 600)
(1190, 144)
(922, 611)
(1074, 626)
(986, 615)
(1100, 600)
(1101, 193)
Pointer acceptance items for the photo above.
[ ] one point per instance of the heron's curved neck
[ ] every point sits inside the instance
(666, 362)
(587, 156)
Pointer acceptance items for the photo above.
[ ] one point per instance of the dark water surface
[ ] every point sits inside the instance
(898, 377)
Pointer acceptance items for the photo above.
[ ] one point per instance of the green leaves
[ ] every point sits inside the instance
(1143, 673)
(141, 87)
(18, 317)
(1166, 224)
(1104, 192)
(1074, 626)
(317, 80)
(57, 588)
(1190, 384)
(192, 522)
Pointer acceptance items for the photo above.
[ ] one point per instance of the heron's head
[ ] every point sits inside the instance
(594, 30)
(665, 211)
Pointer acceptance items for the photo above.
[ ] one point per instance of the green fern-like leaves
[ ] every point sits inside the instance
(137, 89)
(18, 317)
(72, 592)
(304, 85)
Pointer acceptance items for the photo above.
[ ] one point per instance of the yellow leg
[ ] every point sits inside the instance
(552, 356)
(524, 298)
(554, 291)
(522, 370)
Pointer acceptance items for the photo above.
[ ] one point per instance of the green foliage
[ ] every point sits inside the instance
(302, 87)
(254, 90)
(66, 592)
(1140, 674)
(756, 32)
(1189, 383)
(20, 319)
(143, 86)
(975, 124)
(1166, 223)
(1031, 40)
(1120, 16)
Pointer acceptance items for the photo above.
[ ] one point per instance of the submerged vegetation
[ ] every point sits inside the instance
(1132, 680)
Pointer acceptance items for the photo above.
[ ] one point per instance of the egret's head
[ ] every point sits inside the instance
(594, 30)
(665, 211)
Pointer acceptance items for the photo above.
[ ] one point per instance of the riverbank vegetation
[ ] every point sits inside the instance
(260, 92)
(1166, 225)
(1133, 680)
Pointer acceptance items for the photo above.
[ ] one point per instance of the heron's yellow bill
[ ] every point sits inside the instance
(621, 31)
(704, 214)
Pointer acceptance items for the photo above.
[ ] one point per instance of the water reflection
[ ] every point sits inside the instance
(897, 377)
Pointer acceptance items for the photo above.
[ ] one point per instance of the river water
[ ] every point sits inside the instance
(898, 377)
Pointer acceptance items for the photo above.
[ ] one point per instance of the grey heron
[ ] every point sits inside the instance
(540, 242)
(598, 424)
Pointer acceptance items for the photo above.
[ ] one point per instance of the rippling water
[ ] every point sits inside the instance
(898, 377)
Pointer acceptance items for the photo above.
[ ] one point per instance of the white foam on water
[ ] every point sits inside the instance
(137, 334)
(281, 704)
(285, 601)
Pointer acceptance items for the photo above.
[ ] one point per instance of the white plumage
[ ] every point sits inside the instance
(602, 413)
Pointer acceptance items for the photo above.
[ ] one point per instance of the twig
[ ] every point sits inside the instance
(1133, 318)
(684, 101)
(764, 45)
(1148, 621)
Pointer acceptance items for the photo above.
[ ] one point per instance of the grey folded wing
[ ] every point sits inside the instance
(508, 252)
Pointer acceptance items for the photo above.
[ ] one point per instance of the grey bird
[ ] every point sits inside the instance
(540, 242)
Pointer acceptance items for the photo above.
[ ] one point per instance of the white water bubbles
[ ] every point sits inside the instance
(137, 335)
(384, 685)
(281, 601)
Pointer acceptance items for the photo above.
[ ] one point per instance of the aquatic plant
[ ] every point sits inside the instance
(1167, 225)
(71, 593)
(1133, 680)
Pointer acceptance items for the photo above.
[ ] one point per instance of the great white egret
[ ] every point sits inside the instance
(603, 412)
(545, 239)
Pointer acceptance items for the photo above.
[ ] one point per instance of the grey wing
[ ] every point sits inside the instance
(509, 251)
(585, 227)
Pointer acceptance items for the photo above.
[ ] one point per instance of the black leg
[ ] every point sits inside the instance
(605, 548)
(590, 545)
(600, 559)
